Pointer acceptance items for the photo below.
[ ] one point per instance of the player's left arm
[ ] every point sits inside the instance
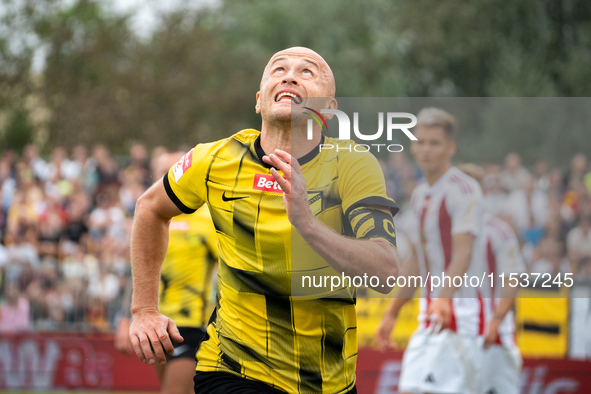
(374, 254)
(509, 260)
(504, 305)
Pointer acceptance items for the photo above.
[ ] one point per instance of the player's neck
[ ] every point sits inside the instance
(281, 138)
(433, 176)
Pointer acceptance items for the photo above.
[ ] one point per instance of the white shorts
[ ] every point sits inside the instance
(501, 368)
(443, 363)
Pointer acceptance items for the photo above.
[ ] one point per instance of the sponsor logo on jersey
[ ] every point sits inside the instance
(266, 183)
(182, 166)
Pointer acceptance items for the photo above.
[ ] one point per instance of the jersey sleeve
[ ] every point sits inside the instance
(185, 181)
(361, 182)
(465, 208)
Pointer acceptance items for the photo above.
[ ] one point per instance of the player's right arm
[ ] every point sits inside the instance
(149, 241)
(409, 268)
(440, 308)
(466, 211)
(180, 191)
(509, 260)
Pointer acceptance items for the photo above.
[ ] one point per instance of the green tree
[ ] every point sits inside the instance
(86, 67)
(17, 48)
(195, 78)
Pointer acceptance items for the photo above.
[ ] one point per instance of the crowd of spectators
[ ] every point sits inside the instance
(65, 227)
(65, 223)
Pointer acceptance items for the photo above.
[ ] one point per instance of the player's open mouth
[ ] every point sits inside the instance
(288, 96)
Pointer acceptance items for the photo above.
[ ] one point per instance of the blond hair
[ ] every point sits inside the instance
(435, 117)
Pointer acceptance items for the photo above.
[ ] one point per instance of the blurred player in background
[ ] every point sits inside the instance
(501, 364)
(443, 355)
(257, 186)
(185, 290)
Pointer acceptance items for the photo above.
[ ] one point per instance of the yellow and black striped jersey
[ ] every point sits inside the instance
(259, 331)
(185, 280)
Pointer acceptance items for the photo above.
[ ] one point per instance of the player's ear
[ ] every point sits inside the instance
(453, 148)
(257, 107)
(332, 104)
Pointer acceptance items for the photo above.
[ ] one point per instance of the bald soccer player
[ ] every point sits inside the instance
(261, 339)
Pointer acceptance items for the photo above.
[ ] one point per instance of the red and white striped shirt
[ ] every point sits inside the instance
(453, 205)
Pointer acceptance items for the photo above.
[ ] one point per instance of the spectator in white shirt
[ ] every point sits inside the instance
(527, 207)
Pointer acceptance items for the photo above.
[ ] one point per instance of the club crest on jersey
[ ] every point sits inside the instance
(182, 166)
(315, 202)
(266, 183)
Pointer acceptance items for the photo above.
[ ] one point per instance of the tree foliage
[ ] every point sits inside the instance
(195, 78)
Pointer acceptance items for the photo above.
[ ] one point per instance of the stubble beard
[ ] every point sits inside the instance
(285, 121)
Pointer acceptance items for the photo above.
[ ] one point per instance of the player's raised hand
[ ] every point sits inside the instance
(383, 341)
(150, 334)
(440, 312)
(295, 193)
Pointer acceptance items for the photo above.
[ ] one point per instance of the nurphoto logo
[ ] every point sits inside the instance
(345, 129)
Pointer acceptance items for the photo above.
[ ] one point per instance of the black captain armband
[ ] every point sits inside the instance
(370, 223)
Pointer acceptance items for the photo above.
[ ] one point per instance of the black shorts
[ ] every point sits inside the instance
(187, 349)
(226, 383)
